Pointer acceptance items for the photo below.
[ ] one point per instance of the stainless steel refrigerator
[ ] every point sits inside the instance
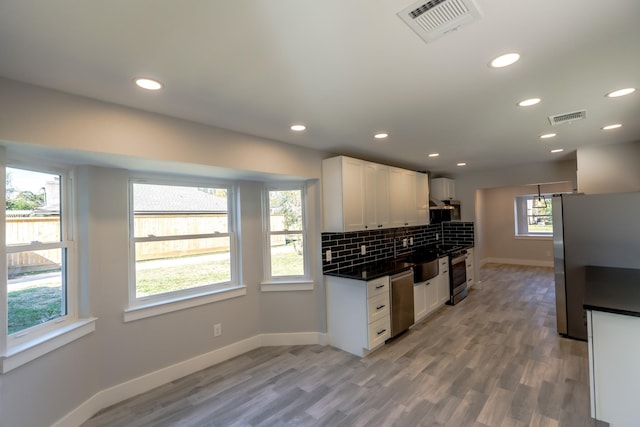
(599, 229)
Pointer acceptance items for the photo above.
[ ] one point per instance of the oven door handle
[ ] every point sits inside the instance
(460, 259)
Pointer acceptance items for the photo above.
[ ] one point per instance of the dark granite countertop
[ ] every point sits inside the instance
(614, 290)
(372, 270)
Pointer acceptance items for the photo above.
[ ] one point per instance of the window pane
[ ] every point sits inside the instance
(35, 288)
(175, 265)
(287, 255)
(285, 210)
(167, 210)
(33, 207)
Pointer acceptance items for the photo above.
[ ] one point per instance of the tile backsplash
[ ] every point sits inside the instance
(346, 247)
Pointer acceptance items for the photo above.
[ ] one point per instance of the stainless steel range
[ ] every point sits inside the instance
(457, 275)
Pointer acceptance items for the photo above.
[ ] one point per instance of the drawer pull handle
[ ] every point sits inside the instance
(381, 307)
(382, 332)
(380, 286)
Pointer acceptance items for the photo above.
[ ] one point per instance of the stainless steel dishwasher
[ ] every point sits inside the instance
(401, 295)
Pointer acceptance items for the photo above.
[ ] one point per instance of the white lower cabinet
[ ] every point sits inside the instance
(358, 315)
(443, 277)
(614, 367)
(430, 295)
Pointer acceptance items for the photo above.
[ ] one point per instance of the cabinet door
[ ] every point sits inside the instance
(471, 280)
(353, 194)
(419, 301)
(396, 198)
(443, 284)
(431, 294)
(409, 198)
(422, 198)
(376, 196)
(443, 188)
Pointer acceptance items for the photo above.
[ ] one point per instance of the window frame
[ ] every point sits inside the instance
(521, 216)
(293, 282)
(23, 346)
(141, 307)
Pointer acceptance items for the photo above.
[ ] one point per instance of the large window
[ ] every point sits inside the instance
(533, 216)
(285, 233)
(40, 291)
(182, 241)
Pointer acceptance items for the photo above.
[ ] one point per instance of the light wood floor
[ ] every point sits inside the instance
(495, 359)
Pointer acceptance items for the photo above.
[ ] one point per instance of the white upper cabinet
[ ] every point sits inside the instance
(403, 197)
(443, 189)
(376, 195)
(343, 193)
(360, 195)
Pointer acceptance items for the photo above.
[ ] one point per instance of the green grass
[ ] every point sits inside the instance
(32, 306)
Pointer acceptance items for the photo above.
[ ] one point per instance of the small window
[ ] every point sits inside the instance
(40, 292)
(285, 233)
(183, 241)
(533, 215)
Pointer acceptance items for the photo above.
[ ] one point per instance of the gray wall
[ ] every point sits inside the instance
(108, 140)
(610, 168)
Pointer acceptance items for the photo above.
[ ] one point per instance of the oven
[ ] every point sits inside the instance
(457, 276)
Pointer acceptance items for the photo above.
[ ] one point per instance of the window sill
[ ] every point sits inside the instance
(180, 303)
(532, 237)
(287, 286)
(33, 349)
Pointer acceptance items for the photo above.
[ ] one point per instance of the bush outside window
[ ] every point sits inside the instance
(285, 233)
(533, 219)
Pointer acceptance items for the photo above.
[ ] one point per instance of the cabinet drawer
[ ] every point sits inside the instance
(378, 307)
(378, 286)
(379, 332)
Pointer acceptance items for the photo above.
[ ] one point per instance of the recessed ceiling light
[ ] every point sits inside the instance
(434, 154)
(609, 127)
(558, 150)
(529, 102)
(461, 164)
(298, 128)
(381, 135)
(547, 135)
(620, 92)
(505, 60)
(148, 84)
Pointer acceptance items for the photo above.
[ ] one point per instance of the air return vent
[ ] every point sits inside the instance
(433, 19)
(568, 117)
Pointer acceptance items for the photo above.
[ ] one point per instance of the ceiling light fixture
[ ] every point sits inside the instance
(148, 84)
(557, 150)
(621, 92)
(434, 154)
(381, 135)
(461, 164)
(547, 135)
(298, 128)
(540, 201)
(505, 60)
(529, 102)
(609, 127)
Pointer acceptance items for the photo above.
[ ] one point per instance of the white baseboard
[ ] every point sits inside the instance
(516, 261)
(120, 392)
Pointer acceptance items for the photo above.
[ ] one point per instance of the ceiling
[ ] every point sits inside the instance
(347, 69)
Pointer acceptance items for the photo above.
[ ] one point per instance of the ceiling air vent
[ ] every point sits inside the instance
(433, 19)
(568, 117)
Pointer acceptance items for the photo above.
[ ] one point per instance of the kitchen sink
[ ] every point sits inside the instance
(425, 270)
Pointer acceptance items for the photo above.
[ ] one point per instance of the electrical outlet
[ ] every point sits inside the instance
(404, 243)
(363, 250)
(328, 255)
(217, 329)
(437, 236)
(410, 241)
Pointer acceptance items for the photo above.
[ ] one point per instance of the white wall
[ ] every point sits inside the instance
(610, 168)
(50, 124)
